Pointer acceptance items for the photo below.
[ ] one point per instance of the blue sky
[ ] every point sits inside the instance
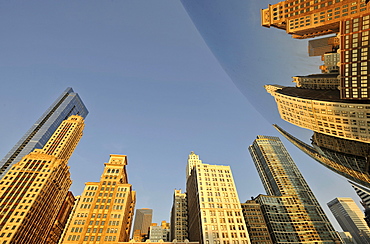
(154, 89)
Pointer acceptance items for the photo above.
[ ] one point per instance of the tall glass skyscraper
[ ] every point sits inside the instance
(290, 209)
(68, 103)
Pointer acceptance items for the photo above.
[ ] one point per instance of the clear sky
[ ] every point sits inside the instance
(154, 90)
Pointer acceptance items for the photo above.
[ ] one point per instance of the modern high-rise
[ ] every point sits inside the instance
(290, 209)
(143, 220)
(214, 211)
(105, 209)
(179, 217)
(350, 218)
(35, 189)
(68, 103)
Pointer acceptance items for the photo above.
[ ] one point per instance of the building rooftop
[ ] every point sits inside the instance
(320, 95)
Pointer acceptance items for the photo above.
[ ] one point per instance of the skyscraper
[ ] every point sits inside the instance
(143, 219)
(214, 211)
(179, 217)
(105, 209)
(34, 189)
(291, 211)
(350, 218)
(67, 104)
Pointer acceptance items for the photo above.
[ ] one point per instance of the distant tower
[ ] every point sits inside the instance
(68, 103)
(143, 219)
(290, 209)
(179, 217)
(214, 211)
(35, 189)
(350, 218)
(105, 209)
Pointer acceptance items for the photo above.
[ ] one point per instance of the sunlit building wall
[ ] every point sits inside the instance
(290, 208)
(143, 220)
(214, 211)
(308, 18)
(68, 103)
(179, 217)
(255, 222)
(34, 189)
(354, 56)
(350, 218)
(105, 209)
(318, 81)
(322, 111)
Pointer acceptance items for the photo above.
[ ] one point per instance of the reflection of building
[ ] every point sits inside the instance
(290, 209)
(36, 188)
(318, 47)
(354, 56)
(256, 225)
(69, 103)
(307, 18)
(318, 81)
(104, 211)
(214, 211)
(323, 111)
(143, 219)
(350, 218)
(364, 194)
(348, 165)
(346, 237)
(179, 217)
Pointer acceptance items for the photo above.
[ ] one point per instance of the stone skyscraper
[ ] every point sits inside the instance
(290, 209)
(350, 218)
(214, 211)
(68, 103)
(105, 209)
(35, 188)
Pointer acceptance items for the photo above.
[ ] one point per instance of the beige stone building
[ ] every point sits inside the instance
(34, 190)
(104, 211)
(214, 211)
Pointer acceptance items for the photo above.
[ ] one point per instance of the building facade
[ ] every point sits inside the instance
(68, 103)
(322, 111)
(290, 209)
(354, 55)
(256, 224)
(344, 162)
(143, 220)
(105, 209)
(34, 189)
(350, 218)
(308, 18)
(214, 211)
(179, 217)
